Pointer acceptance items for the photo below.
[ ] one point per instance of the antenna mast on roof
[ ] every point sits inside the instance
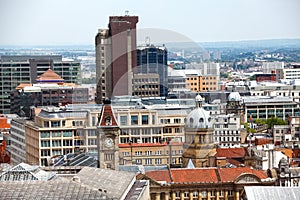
(126, 12)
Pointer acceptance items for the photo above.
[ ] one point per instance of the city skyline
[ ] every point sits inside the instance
(76, 22)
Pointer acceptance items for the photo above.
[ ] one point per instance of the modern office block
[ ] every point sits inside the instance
(15, 70)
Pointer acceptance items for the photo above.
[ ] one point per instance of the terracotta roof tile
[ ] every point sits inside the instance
(231, 152)
(51, 76)
(162, 175)
(204, 175)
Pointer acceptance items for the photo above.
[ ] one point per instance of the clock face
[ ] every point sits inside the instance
(108, 142)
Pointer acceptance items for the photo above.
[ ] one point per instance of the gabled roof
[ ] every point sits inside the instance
(50, 76)
(48, 190)
(204, 175)
(231, 152)
(115, 183)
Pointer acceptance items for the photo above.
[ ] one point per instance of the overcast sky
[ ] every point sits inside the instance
(60, 22)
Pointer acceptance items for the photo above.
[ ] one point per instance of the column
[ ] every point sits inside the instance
(173, 195)
(191, 195)
(217, 195)
(199, 195)
(157, 196)
(181, 195)
(226, 194)
(167, 196)
(208, 195)
(237, 195)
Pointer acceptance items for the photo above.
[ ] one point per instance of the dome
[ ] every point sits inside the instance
(234, 96)
(199, 118)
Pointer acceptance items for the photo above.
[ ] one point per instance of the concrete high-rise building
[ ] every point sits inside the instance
(153, 60)
(116, 57)
(15, 70)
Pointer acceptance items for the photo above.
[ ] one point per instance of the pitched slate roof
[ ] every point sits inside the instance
(115, 183)
(48, 190)
(203, 175)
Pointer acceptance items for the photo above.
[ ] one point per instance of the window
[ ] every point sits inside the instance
(138, 161)
(138, 153)
(177, 120)
(204, 194)
(158, 152)
(67, 134)
(158, 161)
(45, 134)
(67, 142)
(46, 124)
(56, 134)
(148, 161)
(55, 124)
(123, 120)
(153, 119)
(45, 143)
(92, 141)
(134, 120)
(195, 194)
(145, 119)
(148, 153)
(56, 143)
(126, 153)
(230, 193)
(91, 132)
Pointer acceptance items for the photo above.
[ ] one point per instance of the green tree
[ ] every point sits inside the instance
(274, 121)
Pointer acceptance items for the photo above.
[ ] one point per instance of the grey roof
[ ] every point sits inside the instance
(267, 100)
(48, 190)
(70, 159)
(115, 183)
(25, 172)
(272, 193)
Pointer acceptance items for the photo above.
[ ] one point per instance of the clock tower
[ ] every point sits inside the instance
(108, 138)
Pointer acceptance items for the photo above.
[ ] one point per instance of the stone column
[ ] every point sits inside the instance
(157, 196)
(181, 195)
(217, 195)
(226, 194)
(237, 195)
(200, 195)
(167, 196)
(173, 195)
(191, 195)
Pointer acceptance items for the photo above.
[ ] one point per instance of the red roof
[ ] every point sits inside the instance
(231, 152)
(3, 123)
(107, 117)
(50, 76)
(204, 175)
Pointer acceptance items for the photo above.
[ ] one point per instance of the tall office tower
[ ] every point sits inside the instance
(116, 57)
(153, 60)
(15, 70)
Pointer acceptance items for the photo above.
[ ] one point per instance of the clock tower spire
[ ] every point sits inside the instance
(108, 138)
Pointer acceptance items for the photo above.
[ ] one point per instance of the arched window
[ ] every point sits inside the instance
(191, 122)
(201, 120)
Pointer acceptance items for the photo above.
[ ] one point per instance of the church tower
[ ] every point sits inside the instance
(199, 143)
(108, 138)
